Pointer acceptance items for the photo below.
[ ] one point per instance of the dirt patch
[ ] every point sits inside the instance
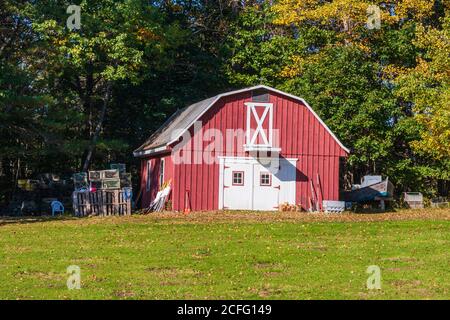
(124, 294)
(400, 259)
(405, 283)
(266, 265)
(400, 269)
(171, 283)
(272, 274)
(38, 275)
(265, 292)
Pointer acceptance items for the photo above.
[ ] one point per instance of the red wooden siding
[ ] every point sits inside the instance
(155, 165)
(301, 136)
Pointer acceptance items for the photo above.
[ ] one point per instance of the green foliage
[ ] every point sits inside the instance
(53, 82)
(383, 92)
(345, 78)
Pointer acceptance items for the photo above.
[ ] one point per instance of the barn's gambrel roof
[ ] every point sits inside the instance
(183, 119)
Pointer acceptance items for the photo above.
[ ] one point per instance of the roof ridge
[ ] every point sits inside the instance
(187, 116)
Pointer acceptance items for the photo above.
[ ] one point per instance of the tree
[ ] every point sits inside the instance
(324, 52)
(426, 86)
(21, 103)
(87, 63)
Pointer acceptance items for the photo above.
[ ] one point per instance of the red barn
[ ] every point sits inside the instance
(254, 149)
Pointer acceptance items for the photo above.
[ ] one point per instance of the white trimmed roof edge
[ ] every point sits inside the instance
(141, 151)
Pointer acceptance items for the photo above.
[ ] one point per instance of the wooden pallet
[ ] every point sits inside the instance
(102, 202)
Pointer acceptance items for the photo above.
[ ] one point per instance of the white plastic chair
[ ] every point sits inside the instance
(57, 207)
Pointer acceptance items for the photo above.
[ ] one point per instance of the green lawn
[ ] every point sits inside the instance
(228, 256)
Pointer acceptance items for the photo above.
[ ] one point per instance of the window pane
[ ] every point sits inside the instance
(265, 179)
(148, 176)
(238, 178)
(161, 172)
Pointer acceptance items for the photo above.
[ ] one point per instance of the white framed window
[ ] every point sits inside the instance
(261, 132)
(265, 179)
(161, 172)
(149, 176)
(238, 178)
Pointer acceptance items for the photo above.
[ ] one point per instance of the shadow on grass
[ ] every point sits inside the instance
(7, 220)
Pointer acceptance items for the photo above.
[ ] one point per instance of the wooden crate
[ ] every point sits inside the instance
(440, 202)
(110, 174)
(111, 184)
(95, 175)
(413, 200)
(106, 184)
(102, 202)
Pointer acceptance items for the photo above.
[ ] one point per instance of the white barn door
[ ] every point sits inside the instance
(266, 188)
(248, 184)
(236, 184)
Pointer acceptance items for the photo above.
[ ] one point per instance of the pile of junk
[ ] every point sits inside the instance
(33, 197)
(373, 189)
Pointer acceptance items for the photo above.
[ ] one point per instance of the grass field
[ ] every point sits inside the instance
(228, 256)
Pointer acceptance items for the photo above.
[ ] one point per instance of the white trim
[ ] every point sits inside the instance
(148, 186)
(211, 104)
(260, 148)
(313, 112)
(221, 189)
(162, 166)
(149, 151)
(271, 126)
(251, 110)
(223, 160)
(259, 126)
(270, 89)
(252, 181)
(247, 129)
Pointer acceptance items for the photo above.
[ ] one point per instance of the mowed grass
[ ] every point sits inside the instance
(228, 256)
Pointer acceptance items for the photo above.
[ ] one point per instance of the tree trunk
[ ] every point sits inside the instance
(98, 128)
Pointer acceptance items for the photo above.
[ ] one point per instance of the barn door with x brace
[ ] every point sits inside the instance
(259, 124)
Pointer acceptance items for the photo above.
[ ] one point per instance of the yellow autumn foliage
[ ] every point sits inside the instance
(427, 86)
(297, 63)
(347, 13)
